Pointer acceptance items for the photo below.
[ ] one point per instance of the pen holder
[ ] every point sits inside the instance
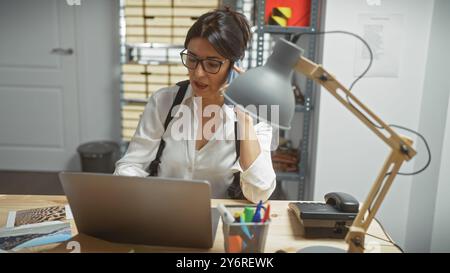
(248, 237)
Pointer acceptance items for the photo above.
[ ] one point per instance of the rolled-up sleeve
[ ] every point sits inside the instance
(259, 181)
(143, 146)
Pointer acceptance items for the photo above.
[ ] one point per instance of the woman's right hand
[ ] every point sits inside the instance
(225, 85)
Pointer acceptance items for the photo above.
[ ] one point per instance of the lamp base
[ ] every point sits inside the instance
(321, 249)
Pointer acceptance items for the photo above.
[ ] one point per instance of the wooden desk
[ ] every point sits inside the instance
(284, 231)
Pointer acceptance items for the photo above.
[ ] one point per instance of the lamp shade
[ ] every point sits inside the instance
(266, 92)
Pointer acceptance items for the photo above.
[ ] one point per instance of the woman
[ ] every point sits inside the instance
(213, 45)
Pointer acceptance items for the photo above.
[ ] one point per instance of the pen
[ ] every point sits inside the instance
(226, 215)
(244, 227)
(235, 239)
(246, 241)
(235, 244)
(267, 214)
(257, 216)
(237, 217)
(248, 212)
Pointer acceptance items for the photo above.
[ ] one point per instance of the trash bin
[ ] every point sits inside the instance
(98, 156)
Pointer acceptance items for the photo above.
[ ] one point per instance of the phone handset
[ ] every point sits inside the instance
(233, 74)
(343, 202)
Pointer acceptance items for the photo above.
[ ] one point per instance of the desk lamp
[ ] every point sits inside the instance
(271, 85)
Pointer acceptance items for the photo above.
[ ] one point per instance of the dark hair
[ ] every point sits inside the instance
(228, 31)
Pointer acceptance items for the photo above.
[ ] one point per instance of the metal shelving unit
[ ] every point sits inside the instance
(308, 107)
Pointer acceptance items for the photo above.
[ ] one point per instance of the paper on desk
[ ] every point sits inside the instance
(38, 215)
(32, 235)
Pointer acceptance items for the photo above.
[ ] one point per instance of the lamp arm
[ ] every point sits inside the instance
(401, 149)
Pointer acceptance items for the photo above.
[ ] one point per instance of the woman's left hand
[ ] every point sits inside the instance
(243, 117)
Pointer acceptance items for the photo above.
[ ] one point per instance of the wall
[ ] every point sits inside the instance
(440, 241)
(98, 42)
(433, 116)
(349, 156)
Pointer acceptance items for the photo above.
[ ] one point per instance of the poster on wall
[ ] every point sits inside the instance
(384, 34)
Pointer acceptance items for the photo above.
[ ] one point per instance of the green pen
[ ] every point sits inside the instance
(248, 212)
(244, 227)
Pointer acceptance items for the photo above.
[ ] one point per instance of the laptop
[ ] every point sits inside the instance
(146, 211)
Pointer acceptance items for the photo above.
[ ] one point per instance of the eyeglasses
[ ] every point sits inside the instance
(209, 65)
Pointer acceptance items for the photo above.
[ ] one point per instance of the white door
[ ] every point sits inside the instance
(39, 117)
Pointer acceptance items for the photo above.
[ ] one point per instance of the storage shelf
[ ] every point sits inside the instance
(137, 101)
(154, 62)
(286, 30)
(154, 45)
(301, 108)
(291, 176)
(305, 158)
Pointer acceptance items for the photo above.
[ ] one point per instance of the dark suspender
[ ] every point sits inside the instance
(234, 191)
(153, 167)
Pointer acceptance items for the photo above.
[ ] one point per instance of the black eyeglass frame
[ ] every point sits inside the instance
(198, 60)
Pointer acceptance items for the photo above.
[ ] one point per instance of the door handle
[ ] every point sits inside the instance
(62, 51)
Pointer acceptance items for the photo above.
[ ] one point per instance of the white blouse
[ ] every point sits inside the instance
(215, 162)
